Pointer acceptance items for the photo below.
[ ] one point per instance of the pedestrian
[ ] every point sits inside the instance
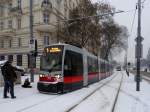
(26, 83)
(127, 72)
(10, 76)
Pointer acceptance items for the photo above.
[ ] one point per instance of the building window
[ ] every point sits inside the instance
(9, 6)
(19, 42)
(2, 58)
(74, 63)
(10, 57)
(19, 4)
(2, 44)
(46, 1)
(46, 18)
(46, 40)
(19, 60)
(1, 25)
(19, 23)
(10, 24)
(1, 10)
(10, 43)
(73, 5)
(59, 1)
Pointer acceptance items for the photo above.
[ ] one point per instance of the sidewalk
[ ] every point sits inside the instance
(132, 101)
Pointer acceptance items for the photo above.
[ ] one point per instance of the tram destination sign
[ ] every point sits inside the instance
(53, 50)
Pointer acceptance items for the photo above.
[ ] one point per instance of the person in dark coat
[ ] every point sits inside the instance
(26, 83)
(127, 72)
(10, 76)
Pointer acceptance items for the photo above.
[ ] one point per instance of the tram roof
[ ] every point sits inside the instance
(88, 53)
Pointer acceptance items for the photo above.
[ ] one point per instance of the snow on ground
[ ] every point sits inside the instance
(64, 102)
(102, 100)
(132, 101)
(30, 100)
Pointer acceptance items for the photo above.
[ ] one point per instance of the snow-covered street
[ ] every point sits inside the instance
(98, 97)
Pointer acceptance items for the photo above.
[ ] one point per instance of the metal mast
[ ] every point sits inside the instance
(32, 58)
(139, 47)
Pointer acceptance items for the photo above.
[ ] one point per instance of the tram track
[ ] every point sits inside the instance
(38, 103)
(117, 95)
(73, 107)
(56, 97)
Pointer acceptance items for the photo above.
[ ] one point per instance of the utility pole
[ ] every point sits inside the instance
(32, 44)
(139, 47)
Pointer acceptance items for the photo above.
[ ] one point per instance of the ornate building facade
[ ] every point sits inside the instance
(15, 27)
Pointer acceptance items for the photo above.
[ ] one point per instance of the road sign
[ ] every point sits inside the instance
(32, 44)
(139, 51)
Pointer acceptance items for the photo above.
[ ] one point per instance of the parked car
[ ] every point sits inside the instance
(118, 68)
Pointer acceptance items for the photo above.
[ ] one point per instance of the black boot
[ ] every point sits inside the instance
(6, 97)
(13, 97)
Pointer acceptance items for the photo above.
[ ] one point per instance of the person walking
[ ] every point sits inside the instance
(10, 76)
(127, 72)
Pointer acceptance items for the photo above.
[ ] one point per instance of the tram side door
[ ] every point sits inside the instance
(67, 71)
(73, 70)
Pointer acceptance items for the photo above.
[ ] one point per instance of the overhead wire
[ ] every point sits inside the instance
(133, 22)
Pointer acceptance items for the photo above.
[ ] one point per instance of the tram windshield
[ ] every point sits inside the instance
(51, 61)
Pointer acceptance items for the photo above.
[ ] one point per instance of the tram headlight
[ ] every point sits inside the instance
(41, 75)
(58, 76)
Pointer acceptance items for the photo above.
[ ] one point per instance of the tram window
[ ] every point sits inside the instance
(92, 65)
(73, 64)
(102, 65)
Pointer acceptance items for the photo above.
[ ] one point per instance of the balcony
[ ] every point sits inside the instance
(16, 11)
(46, 6)
(42, 27)
(7, 32)
(5, 1)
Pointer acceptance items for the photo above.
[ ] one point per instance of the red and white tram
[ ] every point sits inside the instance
(66, 67)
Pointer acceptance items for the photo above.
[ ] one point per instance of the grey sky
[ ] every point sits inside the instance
(126, 20)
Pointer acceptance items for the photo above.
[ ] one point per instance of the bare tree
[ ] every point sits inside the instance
(100, 35)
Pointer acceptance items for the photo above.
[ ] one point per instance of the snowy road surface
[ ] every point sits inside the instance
(30, 100)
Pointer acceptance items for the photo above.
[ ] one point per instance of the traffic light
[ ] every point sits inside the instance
(36, 49)
(35, 54)
(34, 46)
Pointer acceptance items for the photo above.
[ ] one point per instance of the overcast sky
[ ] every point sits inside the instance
(126, 20)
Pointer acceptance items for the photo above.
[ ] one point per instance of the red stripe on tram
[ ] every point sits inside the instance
(92, 75)
(73, 79)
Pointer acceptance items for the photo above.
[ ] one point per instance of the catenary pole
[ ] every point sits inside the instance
(32, 58)
(138, 47)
